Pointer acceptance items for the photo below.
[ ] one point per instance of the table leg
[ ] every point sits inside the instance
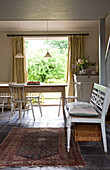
(63, 100)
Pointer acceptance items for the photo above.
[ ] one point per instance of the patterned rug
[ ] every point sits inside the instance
(38, 147)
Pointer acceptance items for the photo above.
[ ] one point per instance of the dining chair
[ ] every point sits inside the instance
(76, 89)
(4, 99)
(29, 96)
(19, 102)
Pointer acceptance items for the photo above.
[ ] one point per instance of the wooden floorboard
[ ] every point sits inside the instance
(92, 152)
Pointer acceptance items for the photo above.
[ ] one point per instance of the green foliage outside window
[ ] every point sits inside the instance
(48, 70)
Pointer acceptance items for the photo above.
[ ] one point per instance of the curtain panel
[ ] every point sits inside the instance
(18, 67)
(75, 51)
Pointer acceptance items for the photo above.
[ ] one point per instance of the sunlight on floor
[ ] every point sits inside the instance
(50, 117)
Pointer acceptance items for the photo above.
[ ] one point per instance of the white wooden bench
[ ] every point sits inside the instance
(93, 112)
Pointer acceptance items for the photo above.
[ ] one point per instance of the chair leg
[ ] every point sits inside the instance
(24, 110)
(32, 111)
(2, 109)
(3, 106)
(12, 108)
(59, 107)
(20, 111)
(104, 136)
(39, 106)
(29, 104)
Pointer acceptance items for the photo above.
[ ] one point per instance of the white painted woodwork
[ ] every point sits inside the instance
(107, 63)
(4, 101)
(102, 51)
(35, 97)
(18, 100)
(87, 82)
(76, 89)
(100, 100)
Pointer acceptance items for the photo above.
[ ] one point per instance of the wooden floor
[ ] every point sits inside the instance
(92, 152)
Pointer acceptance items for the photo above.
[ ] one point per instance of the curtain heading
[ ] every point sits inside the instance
(14, 35)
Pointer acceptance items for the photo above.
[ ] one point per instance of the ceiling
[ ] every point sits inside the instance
(53, 9)
(62, 15)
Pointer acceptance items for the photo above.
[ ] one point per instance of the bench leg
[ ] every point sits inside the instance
(104, 136)
(68, 134)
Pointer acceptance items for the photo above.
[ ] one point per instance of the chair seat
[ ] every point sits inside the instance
(5, 96)
(35, 97)
(73, 96)
(32, 97)
(22, 101)
(70, 97)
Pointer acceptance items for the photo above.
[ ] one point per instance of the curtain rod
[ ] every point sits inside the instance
(53, 35)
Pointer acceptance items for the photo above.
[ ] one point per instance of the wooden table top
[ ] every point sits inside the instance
(6, 84)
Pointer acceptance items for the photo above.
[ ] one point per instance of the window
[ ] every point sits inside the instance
(47, 70)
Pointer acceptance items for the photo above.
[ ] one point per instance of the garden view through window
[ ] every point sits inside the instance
(47, 70)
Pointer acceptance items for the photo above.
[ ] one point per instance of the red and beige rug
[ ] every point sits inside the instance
(38, 147)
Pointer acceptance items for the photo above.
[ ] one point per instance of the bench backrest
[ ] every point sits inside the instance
(100, 98)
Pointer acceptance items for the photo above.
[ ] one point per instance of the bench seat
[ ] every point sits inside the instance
(93, 112)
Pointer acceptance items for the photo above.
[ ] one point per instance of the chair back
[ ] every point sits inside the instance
(100, 99)
(76, 89)
(17, 91)
(77, 85)
(74, 78)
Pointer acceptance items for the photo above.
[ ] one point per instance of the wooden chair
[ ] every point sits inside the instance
(19, 101)
(76, 88)
(3, 104)
(93, 112)
(35, 97)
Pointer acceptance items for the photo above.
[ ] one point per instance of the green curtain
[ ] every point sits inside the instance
(75, 51)
(18, 67)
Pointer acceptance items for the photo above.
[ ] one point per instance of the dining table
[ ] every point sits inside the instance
(42, 87)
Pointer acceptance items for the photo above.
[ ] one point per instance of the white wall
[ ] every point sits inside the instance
(108, 57)
(91, 49)
(107, 26)
(92, 46)
(5, 57)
